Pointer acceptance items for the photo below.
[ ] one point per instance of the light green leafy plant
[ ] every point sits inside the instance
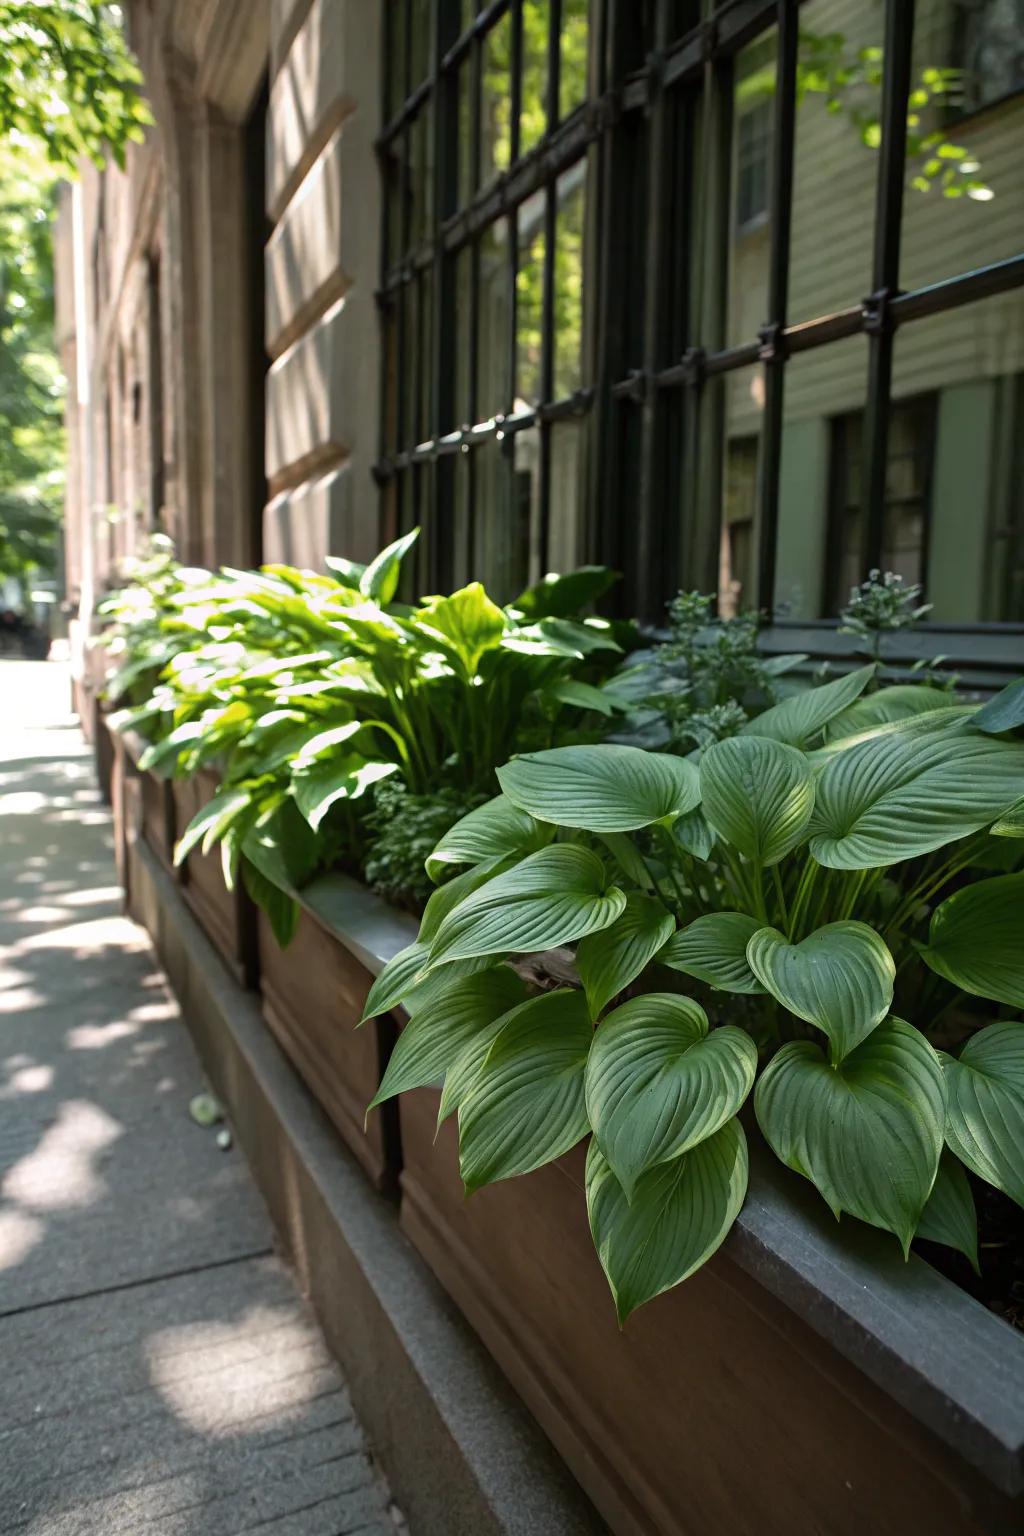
(800, 908)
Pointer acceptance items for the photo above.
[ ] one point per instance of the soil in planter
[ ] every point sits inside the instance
(1000, 1286)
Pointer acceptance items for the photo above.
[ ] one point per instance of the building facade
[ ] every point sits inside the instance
(728, 295)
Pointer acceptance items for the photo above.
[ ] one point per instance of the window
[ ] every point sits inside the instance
(662, 289)
(991, 50)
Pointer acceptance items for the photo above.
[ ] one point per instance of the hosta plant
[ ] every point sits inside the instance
(792, 922)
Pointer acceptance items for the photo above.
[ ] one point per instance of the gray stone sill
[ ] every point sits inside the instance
(956, 1368)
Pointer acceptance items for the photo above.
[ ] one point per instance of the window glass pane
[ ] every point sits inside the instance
(964, 199)
(753, 104)
(744, 407)
(493, 322)
(570, 198)
(425, 422)
(501, 538)
(496, 104)
(390, 393)
(970, 361)
(529, 299)
(817, 558)
(835, 162)
(421, 155)
(533, 109)
(461, 534)
(410, 355)
(572, 79)
(467, 131)
(420, 42)
(396, 62)
(393, 192)
(567, 449)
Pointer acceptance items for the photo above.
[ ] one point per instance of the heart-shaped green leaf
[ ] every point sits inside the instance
(897, 796)
(562, 597)
(552, 897)
(526, 1106)
(331, 779)
(839, 978)
(380, 578)
(437, 1033)
(949, 1217)
(397, 978)
(758, 794)
(867, 1133)
(976, 939)
(714, 949)
(610, 960)
(898, 703)
(658, 1082)
(1011, 822)
(694, 835)
(985, 1106)
(1004, 712)
(603, 788)
(800, 718)
(493, 831)
(679, 1215)
(464, 626)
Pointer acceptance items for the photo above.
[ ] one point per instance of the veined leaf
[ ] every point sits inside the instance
(526, 1106)
(976, 939)
(867, 1133)
(900, 702)
(601, 788)
(659, 1083)
(758, 794)
(802, 716)
(448, 896)
(714, 949)
(211, 821)
(326, 741)
(694, 835)
(281, 910)
(379, 580)
(467, 624)
(610, 960)
(949, 1217)
(897, 796)
(493, 831)
(395, 981)
(840, 978)
(437, 1033)
(560, 597)
(1011, 823)
(552, 897)
(319, 787)
(581, 696)
(985, 1106)
(1004, 712)
(679, 1215)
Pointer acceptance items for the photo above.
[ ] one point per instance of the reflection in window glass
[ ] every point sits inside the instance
(533, 110)
(570, 199)
(736, 574)
(572, 80)
(493, 322)
(496, 102)
(749, 254)
(529, 300)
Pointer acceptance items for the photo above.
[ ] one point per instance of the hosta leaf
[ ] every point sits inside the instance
(280, 909)
(552, 897)
(949, 1217)
(379, 580)
(448, 896)
(897, 796)
(397, 978)
(610, 960)
(212, 820)
(839, 978)
(560, 597)
(1004, 712)
(326, 782)
(581, 696)
(1011, 823)
(897, 703)
(985, 1106)
(976, 939)
(802, 716)
(602, 788)
(867, 1133)
(326, 741)
(714, 949)
(694, 835)
(432, 1040)
(658, 1082)
(679, 1215)
(758, 794)
(527, 1106)
(492, 831)
(466, 624)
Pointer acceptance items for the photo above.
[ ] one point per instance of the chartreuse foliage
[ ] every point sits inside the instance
(306, 691)
(787, 917)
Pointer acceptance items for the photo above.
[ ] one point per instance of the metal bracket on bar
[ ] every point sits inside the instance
(877, 312)
(692, 366)
(772, 338)
(633, 387)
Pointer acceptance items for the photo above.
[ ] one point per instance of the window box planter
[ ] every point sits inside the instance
(805, 1380)
(228, 917)
(313, 997)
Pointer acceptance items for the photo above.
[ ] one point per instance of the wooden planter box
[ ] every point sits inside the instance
(228, 917)
(803, 1382)
(313, 997)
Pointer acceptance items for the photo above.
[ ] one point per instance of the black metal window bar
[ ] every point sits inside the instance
(477, 178)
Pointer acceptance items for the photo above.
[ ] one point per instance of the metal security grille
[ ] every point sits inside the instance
(570, 356)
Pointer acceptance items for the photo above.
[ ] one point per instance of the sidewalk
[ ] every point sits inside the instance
(159, 1372)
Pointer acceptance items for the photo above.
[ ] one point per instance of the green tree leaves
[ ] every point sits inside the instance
(985, 1106)
(840, 978)
(658, 1083)
(867, 1133)
(976, 940)
(758, 794)
(601, 789)
(679, 1215)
